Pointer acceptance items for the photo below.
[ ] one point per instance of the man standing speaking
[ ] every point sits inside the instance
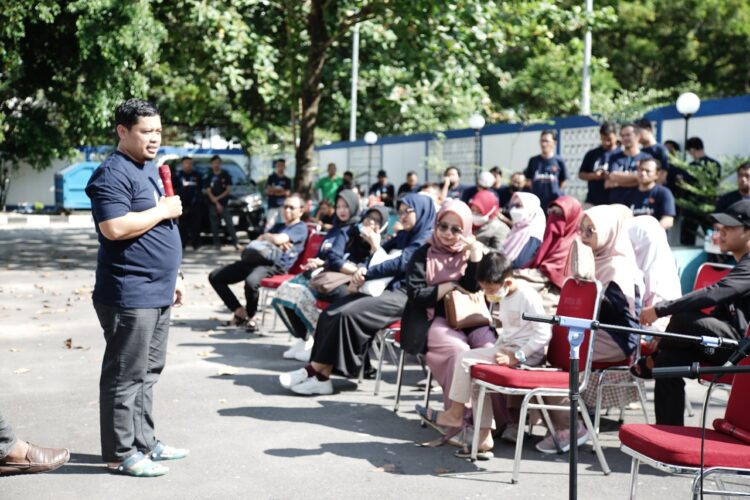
(136, 285)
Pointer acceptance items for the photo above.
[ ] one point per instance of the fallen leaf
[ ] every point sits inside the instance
(21, 370)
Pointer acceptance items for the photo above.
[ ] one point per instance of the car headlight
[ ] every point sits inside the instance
(254, 201)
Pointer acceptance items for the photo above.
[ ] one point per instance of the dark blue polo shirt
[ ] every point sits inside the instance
(139, 273)
(621, 162)
(658, 201)
(546, 175)
(297, 236)
(597, 159)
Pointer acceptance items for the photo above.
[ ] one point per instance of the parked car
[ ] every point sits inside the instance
(245, 201)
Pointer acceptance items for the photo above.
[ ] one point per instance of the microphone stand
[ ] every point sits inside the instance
(576, 329)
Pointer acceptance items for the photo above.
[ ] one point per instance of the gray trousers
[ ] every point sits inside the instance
(133, 360)
(7, 438)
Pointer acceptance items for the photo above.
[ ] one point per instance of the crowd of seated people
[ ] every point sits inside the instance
(512, 249)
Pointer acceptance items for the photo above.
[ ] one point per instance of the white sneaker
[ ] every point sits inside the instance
(313, 386)
(547, 445)
(294, 377)
(291, 353)
(305, 351)
(510, 433)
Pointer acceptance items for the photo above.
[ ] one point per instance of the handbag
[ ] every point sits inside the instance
(261, 253)
(466, 310)
(327, 281)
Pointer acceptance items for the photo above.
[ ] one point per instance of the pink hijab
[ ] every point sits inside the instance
(614, 257)
(448, 263)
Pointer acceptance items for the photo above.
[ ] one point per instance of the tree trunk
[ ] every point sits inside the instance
(311, 94)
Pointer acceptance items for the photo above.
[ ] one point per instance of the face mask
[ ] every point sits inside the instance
(517, 214)
(494, 298)
(480, 220)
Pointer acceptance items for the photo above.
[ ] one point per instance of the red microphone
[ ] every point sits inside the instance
(166, 179)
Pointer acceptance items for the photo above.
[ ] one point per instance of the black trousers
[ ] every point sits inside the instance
(669, 393)
(346, 328)
(190, 227)
(7, 438)
(133, 360)
(222, 277)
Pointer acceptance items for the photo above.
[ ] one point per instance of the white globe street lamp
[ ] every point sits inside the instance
(687, 105)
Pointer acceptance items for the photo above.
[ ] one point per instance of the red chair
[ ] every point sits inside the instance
(579, 299)
(676, 450)
(268, 285)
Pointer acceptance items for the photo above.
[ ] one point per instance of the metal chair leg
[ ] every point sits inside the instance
(399, 379)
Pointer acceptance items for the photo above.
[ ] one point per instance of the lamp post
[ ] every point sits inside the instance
(476, 122)
(370, 138)
(687, 105)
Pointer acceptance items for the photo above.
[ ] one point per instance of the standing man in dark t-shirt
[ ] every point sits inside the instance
(218, 186)
(595, 164)
(651, 198)
(622, 177)
(137, 283)
(546, 173)
(278, 187)
(289, 237)
(384, 190)
(188, 185)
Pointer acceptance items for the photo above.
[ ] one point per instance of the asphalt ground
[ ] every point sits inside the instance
(219, 396)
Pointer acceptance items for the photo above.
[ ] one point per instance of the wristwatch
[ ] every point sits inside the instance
(520, 356)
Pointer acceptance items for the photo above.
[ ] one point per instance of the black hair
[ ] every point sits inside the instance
(453, 168)
(494, 268)
(550, 132)
(608, 128)
(694, 143)
(674, 144)
(496, 170)
(128, 112)
(644, 123)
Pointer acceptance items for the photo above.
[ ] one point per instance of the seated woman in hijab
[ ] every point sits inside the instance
(546, 271)
(346, 327)
(343, 249)
(447, 262)
(488, 229)
(527, 231)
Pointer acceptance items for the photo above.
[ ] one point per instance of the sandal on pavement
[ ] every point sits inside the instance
(163, 452)
(640, 368)
(139, 465)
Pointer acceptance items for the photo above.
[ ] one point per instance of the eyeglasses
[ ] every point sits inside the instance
(587, 232)
(290, 207)
(445, 227)
(404, 213)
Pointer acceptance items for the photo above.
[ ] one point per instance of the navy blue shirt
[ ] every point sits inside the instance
(218, 183)
(546, 175)
(621, 162)
(139, 273)
(188, 187)
(597, 159)
(278, 181)
(657, 201)
(297, 236)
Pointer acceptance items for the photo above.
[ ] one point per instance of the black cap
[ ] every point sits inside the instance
(381, 173)
(737, 214)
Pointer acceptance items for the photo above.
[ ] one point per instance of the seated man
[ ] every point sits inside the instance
(731, 299)
(287, 241)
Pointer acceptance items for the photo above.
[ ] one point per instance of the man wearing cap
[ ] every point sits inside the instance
(384, 190)
(730, 298)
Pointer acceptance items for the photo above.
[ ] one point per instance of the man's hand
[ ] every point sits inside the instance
(179, 293)
(648, 315)
(171, 206)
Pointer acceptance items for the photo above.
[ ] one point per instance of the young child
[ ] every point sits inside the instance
(519, 342)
